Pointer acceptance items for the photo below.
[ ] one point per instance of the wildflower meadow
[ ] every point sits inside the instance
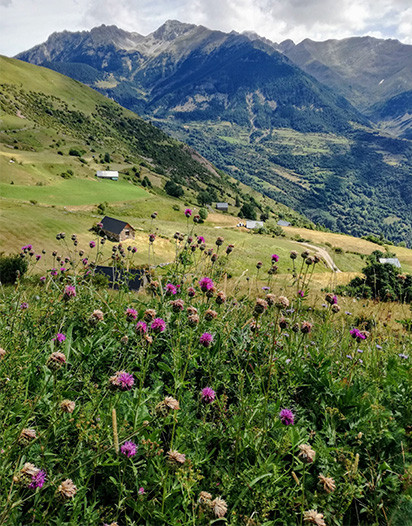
(199, 399)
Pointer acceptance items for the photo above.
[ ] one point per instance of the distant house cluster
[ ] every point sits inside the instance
(117, 230)
(107, 174)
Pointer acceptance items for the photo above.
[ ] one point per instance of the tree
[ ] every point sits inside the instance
(107, 157)
(173, 189)
(247, 211)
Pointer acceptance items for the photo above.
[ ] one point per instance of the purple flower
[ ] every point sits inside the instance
(85, 261)
(69, 292)
(92, 244)
(301, 293)
(206, 284)
(208, 395)
(206, 339)
(360, 360)
(287, 417)
(152, 237)
(43, 279)
(348, 313)
(141, 491)
(38, 257)
(191, 292)
(24, 305)
(404, 356)
(53, 272)
(200, 239)
(129, 449)
(349, 357)
(188, 212)
(275, 258)
(356, 333)
(134, 250)
(171, 289)
(131, 314)
(99, 225)
(59, 338)
(265, 288)
(141, 327)
(62, 270)
(158, 325)
(125, 381)
(360, 350)
(38, 479)
(379, 347)
(288, 360)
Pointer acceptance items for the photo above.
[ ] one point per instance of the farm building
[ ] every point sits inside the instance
(223, 207)
(391, 261)
(117, 230)
(281, 222)
(253, 224)
(108, 174)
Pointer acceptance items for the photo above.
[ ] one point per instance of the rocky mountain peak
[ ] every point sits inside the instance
(171, 30)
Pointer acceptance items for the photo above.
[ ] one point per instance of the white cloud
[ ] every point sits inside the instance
(24, 23)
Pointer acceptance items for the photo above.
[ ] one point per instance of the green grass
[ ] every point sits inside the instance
(75, 192)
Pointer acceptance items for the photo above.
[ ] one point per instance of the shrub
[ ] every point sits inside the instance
(173, 189)
(75, 153)
(11, 267)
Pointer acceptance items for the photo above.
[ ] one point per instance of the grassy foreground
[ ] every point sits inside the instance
(193, 402)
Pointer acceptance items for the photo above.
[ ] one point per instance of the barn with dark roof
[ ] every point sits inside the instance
(117, 230)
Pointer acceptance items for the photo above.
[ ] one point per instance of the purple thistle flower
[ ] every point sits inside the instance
(69, 292)
(141, 491)
(43, 279)
(206, 284)
(171, 289)
(287, 417)
(158, 325)
(38, 479)
(92, 244)
(38, 257)
(208, 395)
(99, 225)
(191, 292)
(24, 305)
(125, 381)
(206, 339)
(129, 449)
(131, 314)
(63, 270)
(53, 272)
(301, 293)
(85, 261)
(141, 327)
(188, 212)
(275, 258)
(200, 239)
(334, 300)
(59, 338)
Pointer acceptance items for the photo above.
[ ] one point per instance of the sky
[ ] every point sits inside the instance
(25, 23)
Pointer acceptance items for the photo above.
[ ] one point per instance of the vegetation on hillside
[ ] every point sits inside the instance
(194, 402)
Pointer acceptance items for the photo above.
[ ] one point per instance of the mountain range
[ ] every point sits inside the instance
(319, 126)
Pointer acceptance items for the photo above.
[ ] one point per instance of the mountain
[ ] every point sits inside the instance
(395, 114)
(255, 114)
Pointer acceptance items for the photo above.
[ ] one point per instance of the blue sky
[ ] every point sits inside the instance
(25, 23)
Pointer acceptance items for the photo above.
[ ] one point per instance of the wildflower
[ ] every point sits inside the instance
(310, 260)
(206, 339)
(220, 298)
(210, 315)
(196, 218)
(193, 320)
(152, 237)
(141, 327)
(403, 356)
(2, 353)
(200, 239)
(38, 479)
(27, 435)
(305, 254)
(206, 284)
(219, 507)
(175, 459)
(275, 258)
(306, 327)
(171, 289)
(131, 314)
(210, 292)
(283, 323)
(204, 498)
(208, 395)
(92, 244)
(67, 406)
(331, 299)
(379, 347)
(214, 258)
(271, 299)
(122, 380)
(149, 315)
(314, 517)
(293, 254)
(69, 292)
(359, 335)
(287, 417)
(24, 305)
(219, 241)
(259, 265)
(348, 313)
(307, 453)
(129, 449)
(335, 308)
(229, 249)
(96, 316)
(67, 490)
(59, 338)
(282, 302)
(167, 405)
(141, 491)
(56, 360)
(158, 325)
(188, 212)
(43, 280)
(191, 292)
(38, 257)
(260, 307)
(349, 357)
(328, 483)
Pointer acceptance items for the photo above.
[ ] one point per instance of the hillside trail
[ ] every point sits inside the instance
(324, 255)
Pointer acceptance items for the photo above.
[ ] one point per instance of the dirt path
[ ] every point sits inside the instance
(324, 255)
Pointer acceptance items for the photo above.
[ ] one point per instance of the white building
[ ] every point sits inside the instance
(391, 261)
(253, 224)
(101, 174)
